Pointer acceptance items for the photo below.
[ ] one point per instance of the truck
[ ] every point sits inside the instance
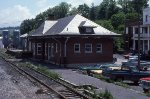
(130, 73)
(145, 84)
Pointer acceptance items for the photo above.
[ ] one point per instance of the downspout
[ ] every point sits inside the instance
(65, 49)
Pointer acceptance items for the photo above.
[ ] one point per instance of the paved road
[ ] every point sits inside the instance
(117, 91)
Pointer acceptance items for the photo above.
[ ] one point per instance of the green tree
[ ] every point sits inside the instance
(84, 10)
(61, 10)
(103, 9)
(92, 13)
(73, 11)
(117, 19)
(106, 24)
(131, 16)
(138, 5)
(26, 26)
(40, 18)
(107, 9)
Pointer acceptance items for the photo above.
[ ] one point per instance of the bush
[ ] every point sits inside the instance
(47, 72)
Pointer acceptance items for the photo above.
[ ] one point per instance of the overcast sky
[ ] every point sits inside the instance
(12, 12)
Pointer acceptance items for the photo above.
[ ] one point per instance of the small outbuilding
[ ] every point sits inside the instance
(1, 42)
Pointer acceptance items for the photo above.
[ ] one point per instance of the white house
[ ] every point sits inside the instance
(132, 30)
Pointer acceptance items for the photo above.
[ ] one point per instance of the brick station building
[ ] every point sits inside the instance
(72, 41)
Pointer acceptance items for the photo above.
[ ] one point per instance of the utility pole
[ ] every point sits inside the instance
(139, 45)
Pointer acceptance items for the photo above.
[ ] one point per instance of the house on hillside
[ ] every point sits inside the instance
(132, 33)
(72, 41)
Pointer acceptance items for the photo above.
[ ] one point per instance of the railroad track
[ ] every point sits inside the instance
(63, 89)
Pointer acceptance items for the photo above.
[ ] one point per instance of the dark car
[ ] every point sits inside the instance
(131, 73)
(144, 65)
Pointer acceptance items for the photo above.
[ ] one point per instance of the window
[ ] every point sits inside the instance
(146, 18)
(88, 30)
(99, 48)
(136, 30)
(88, 48)
(39, 49)
(145, 30)
(77, 48)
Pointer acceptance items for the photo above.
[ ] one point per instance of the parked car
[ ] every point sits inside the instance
(100, 66)
(145, 84)
(104, 66)
(131, 73)
(144, 65)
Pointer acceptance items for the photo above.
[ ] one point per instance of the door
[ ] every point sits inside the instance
(49, 51)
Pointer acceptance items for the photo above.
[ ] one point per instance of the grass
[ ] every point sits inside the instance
(119, 83)
(5, 55)
(46, 71)
(99, 95)
(39, 68)
(147, 94)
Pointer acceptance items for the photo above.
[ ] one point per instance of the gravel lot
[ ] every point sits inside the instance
(15, 86)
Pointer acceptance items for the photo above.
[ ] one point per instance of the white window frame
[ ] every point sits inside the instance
(75, 48)
(99, 47)
(39, 45)
(90, 48)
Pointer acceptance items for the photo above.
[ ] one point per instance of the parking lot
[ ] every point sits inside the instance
(134, 92)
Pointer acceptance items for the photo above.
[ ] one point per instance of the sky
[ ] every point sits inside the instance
(13, 12)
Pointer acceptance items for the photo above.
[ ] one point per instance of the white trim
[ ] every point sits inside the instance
(101, 48)
(90, 48)
(78, 46)
(65, 47)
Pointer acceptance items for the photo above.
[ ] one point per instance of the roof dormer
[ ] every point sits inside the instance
(86, 28)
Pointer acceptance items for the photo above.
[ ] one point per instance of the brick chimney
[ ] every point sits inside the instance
(51, 17)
